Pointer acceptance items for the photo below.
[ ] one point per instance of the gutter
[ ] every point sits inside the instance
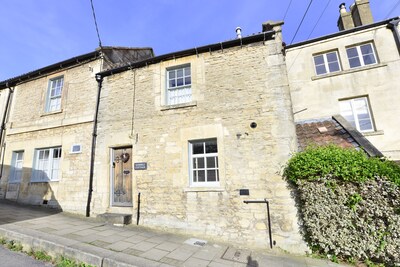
(340, 33)
(99, 80)
(264, 36)
(3, 128)
(393, 26)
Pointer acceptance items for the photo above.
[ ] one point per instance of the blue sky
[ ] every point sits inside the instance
(37, 33)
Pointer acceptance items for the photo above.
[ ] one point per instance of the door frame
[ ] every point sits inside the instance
(111, 160)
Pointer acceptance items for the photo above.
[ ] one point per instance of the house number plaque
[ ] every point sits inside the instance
(140, 166)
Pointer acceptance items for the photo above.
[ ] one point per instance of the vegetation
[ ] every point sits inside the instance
(349, 204)
(42, 256)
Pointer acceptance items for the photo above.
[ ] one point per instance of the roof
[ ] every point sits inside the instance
(114, 56)
(340, 33)
(335, 130)
(263, 36)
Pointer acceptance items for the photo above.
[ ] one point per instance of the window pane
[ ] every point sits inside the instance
(334, 66)
(171, 74)
(195, 163)
(201, 176)
(179, 73)
(366, 49)
(352, 52)
(198, 148)
(369, 59)
(188, 80)
(210, 162)
(354, 62)
(187, 71)
(179, 82)
(321, 69)
(211, 176)
(172, 83)
(365, 125)
(194, 176)
(319, 60)
(200, 163)
(331, 57)
(211, 146)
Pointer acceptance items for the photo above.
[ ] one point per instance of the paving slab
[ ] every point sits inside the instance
(93, 242)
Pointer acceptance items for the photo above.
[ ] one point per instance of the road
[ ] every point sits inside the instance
(10, 258)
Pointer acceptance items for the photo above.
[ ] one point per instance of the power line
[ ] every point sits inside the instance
(287, 9)
(390, 12)
(95, 23)
(318, 19)
(305, 14)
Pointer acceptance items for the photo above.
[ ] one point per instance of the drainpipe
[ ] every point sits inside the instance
(3, 128)
(393, 26)
(99, 80)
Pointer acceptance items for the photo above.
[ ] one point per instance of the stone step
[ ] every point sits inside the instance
(116, 218)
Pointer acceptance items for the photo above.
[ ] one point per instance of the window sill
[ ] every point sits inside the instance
(44, 182)
(183, 105)
(51, 113)
(203, 189)
(338, 73)
(380, 132)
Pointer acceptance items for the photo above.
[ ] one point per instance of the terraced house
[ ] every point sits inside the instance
(48, 131)
(353, 72)
(193, 135)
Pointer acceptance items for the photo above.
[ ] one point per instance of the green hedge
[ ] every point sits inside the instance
(343, 164)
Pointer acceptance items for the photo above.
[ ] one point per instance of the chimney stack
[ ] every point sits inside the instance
(360, 14)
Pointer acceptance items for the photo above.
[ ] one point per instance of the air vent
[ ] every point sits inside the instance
(77, 148)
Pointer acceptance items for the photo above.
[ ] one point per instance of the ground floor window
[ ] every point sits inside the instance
(203, 157)
(16, 166)
(47, 164)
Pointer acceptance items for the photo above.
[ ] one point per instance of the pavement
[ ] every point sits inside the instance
(96, 243)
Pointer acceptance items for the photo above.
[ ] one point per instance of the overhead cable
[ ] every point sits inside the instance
(287, 9)
(318, 20)
(301, 22)
(394, 7)
(95, 23)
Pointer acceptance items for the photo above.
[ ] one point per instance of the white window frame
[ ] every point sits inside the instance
(47, 169)
(74, 147)
(193, 170)
(54, 93)
(178, 94)
(17, 163)
(326, 62)
(356, 113)
(360, 55)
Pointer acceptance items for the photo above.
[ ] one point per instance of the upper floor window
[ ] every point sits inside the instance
(16, 166)
(179, 89)
(47, 164)
(357, 112)
(361, 55)
(326, 63)
(204, 163)
(53, 101)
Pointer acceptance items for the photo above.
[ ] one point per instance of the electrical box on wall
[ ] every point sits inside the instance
(244, 192)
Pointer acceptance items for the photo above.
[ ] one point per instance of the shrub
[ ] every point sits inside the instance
(343, 164)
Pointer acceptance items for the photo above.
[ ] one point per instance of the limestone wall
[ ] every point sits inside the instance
(30, 127)
(318, 96)
(231, 89)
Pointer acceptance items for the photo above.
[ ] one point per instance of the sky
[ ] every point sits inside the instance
(38, 33)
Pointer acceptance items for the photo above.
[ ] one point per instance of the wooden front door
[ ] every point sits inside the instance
(121, 177)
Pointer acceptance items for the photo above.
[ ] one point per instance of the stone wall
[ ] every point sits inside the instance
(30, 127)
(317, 96)
(231, 88)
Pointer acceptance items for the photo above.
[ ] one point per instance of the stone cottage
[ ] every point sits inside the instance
(48, 132)
(184, 139)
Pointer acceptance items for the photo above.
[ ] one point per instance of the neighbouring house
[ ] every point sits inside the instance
(353, 72)
(194, 134)
(47, 139)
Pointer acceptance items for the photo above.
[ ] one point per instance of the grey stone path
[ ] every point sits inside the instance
(93, 242)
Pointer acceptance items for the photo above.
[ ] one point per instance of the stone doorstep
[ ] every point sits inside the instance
(115, 218)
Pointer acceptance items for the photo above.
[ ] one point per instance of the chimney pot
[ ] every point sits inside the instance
(238, 32)
(342, 8)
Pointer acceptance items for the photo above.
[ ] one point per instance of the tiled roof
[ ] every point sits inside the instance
(335, 130)
(323, 132)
